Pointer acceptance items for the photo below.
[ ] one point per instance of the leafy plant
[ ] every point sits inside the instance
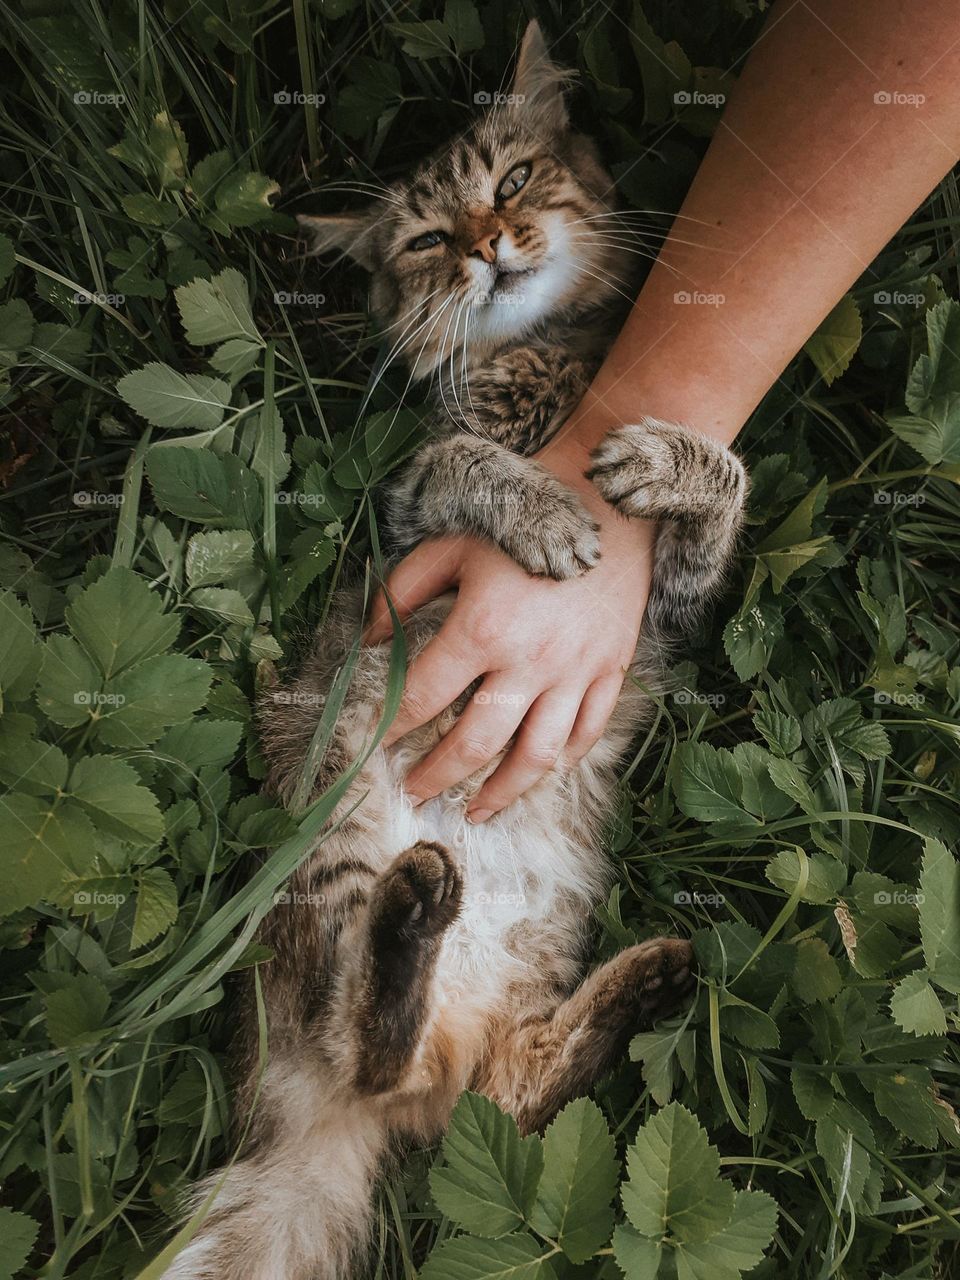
(193, 426)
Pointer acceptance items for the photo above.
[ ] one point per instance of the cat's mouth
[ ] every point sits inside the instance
(508, 283)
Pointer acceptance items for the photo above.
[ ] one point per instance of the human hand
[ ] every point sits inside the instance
(552, 656)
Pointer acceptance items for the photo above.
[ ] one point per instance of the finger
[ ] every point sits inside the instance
(486, 726)
(438, 675)
(595, 711)
(539, 746)
(428, 571)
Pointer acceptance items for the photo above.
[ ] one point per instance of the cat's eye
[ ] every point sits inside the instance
(426, 241)
(514, 180)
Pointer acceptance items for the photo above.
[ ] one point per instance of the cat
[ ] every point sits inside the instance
(418, 955)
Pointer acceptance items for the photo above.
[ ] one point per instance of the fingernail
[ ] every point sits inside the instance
(479, 815)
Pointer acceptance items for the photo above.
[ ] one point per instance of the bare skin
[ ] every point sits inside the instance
(846, 116)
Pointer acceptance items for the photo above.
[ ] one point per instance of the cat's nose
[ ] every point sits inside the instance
(486, 246)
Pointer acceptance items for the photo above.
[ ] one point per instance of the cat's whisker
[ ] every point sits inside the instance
(630, 231)
(657, 213)
(404, 340)
(439, 369)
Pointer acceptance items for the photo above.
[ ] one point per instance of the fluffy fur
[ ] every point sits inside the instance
(417, 955)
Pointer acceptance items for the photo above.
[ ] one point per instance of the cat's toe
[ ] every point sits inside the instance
(632, 469)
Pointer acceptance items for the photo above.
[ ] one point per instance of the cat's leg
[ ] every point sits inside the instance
(466, 485)
(383, 998)
(539, 1065)
(695, 487)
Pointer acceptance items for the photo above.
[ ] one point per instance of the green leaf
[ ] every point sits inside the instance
(517, 1257)
(749, 637)
(490, 1175)
(77, 1011)
(17, 1236)
(120, 621)
(836, 340)
(215, 556)
(156, 907)
(243, 200)
(816, 975)
(427, 38)
(31, 766)
(148, 211)
(43, 844)
(916, 1007)
(637, 1257)
(217, 309)
(580, 1174)
(940, 915)
(657, 1051)
(748, 1024)
(69, 683)
(200, 743)
(187, 401)
(16, 325)
(224, 604)
(152, 696)
(826, 876)
(461, 19)
(199, 485)
(236, 357)
(845, 1159)
(738, 1247)
(782, 732)
(903, 1096)
(18, 648)
(932, 426)
(111, 794)
(813, 1091)
(7, 258)
(709, 787)
(674, 1182)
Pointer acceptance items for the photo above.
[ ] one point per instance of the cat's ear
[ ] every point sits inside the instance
(350, 233)
(538, 82)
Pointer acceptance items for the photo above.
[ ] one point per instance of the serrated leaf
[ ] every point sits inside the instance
(816, 976)
(903, 1096)
(119, 621)
(166, 398)
(813, 1091)
(516, 1257)
(208, 488)
(111, 794)
(835, 343)
(215, 555)
(43, 844)
(749, 637)
(68, 684)
(637, 1257)
(7, 258)
(217, 309)
(16, 325)
(236, 357)
(916, 1007)
(157, 693)
(243, 200)
(77, 1011)
(156, 908)
(580, 1174)
(657, 1051)
(825, 879)
(18, 645)
(739, 1247)
(846, 1160)
(223, 603)
(674, 1184)
(490, 1174)
(940, 915)
(17, 1235)
(709, 787)
(782, 732)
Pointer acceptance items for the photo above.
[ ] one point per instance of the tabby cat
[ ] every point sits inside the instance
(419, 955)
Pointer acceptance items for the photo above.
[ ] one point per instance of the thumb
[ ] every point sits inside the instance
(424, 574)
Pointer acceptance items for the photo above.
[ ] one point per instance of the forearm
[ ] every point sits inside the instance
(792, 202)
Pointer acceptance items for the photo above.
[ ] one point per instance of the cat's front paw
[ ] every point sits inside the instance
(418, 896)
(557, 538)
(635, 470)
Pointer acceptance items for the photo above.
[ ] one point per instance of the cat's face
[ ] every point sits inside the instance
(487, 239)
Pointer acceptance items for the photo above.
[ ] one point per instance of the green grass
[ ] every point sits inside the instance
(786, 809)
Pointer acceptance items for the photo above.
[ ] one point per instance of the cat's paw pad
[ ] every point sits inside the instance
(561, 541)
(420, 894)
(662, 975)
(634, 470)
